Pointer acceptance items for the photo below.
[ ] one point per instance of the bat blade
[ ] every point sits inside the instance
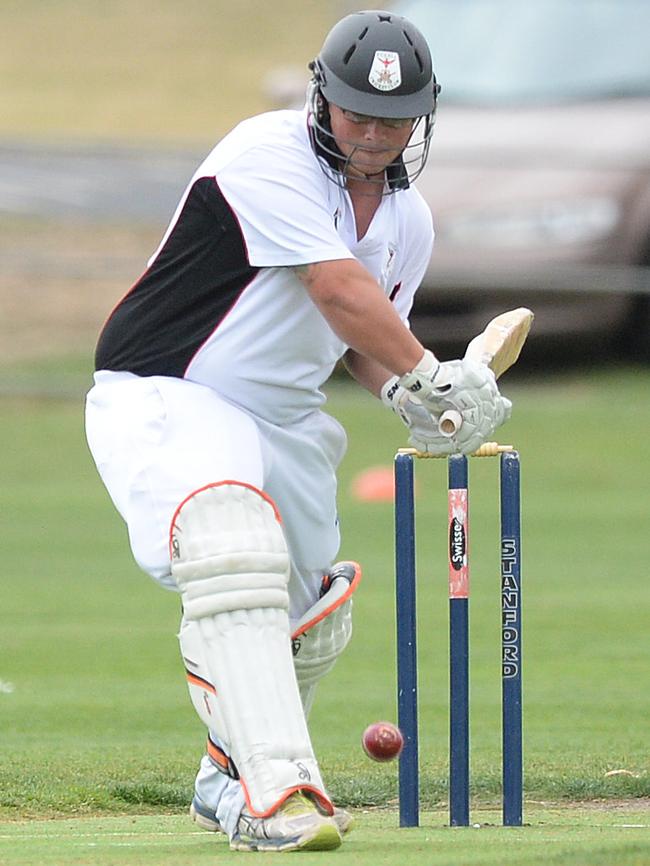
(498, 345)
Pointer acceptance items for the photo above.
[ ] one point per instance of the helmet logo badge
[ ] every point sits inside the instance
(385, 72)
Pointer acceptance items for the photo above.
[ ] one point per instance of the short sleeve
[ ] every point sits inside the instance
(280, 199)
(417, 226)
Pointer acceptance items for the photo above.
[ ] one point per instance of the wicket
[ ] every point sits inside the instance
(405, 562)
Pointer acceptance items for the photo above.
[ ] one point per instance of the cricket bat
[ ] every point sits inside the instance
(498, 346)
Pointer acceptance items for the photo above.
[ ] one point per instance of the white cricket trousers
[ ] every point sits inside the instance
(156, 439)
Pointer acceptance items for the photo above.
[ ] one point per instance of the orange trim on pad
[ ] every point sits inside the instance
(323, 801)
(195, 680)
(339, 601)
(261, 493)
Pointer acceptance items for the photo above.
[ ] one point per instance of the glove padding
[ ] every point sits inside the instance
(465, 386)
(422, 425)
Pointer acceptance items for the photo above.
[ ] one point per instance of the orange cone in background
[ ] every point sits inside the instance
(375, 484)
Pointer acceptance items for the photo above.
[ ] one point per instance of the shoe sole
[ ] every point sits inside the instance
(205, 823)
(343, 820)
(325, 838)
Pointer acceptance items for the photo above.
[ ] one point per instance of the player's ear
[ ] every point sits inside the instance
(323, 109)
(318, 78)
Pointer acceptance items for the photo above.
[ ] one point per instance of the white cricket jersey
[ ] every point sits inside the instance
(219, 303)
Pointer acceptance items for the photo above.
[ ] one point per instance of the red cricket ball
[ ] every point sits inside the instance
(382, 741)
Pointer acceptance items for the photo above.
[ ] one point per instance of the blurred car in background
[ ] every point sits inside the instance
(539, 171)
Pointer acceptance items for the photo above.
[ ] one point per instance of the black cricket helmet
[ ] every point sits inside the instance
(378, 64)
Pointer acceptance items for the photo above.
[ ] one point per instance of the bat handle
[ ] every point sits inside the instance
(450, 423)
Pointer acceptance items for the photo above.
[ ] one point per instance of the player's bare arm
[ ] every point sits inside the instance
(357, 310)
(368, 373)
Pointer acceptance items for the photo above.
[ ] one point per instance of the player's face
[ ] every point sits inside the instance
(369, 144)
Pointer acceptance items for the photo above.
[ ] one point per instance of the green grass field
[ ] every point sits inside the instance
(99, 743)
(148, 71)
(556, 838)
(97, 727)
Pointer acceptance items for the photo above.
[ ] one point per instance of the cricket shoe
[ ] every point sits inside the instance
(204, 817)
(296, 826)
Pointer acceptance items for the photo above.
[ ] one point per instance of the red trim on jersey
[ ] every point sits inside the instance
(239, 294)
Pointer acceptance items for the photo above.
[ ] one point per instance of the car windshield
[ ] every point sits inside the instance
(523, 51)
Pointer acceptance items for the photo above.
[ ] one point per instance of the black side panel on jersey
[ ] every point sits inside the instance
(195, 279)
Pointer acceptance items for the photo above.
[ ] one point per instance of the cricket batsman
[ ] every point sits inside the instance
(299, 241)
